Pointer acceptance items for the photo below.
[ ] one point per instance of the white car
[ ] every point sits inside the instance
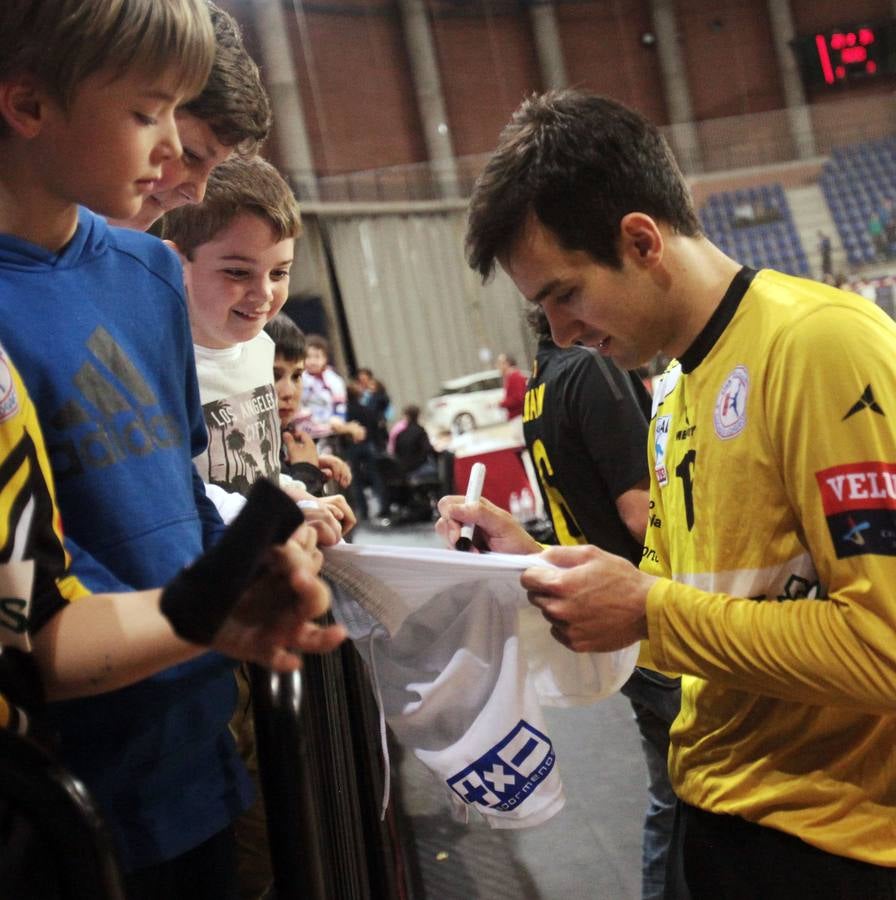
(467, 403)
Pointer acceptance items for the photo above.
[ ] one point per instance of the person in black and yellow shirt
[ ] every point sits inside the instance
(768, 573)
(57, 640)
(34, 584)
(585, 426)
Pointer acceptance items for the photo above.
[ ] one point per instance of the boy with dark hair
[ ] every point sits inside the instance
(585, 427)
(767, 572)
(289, 342)
(231, 115)
(298, 455)
(88, 92)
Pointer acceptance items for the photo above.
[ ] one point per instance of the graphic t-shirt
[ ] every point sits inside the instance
(240, 408)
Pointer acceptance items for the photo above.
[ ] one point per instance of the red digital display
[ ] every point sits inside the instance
(845, 53)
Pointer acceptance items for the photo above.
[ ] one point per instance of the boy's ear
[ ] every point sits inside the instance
(22, 105)
(185, 263)
(171, 245)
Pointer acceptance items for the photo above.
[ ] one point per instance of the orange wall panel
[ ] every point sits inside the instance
(604, 53)
(729, 57)
(353, 73)
(488, 65)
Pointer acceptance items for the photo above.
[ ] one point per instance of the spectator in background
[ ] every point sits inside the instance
(888, 220)
(325, 396)
(422, 474)
(412, 447)
(824, 251)
(362, 455)
(514, 386)
(878, 237)
(396, 430)
(375, 397)
(744, 214)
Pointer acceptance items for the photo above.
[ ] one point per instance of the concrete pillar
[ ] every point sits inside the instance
(801, 131)
(548, 46)
(430, 103)
(675, 86)
(280, 78)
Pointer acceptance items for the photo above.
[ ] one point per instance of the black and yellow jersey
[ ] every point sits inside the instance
(773, 457)
(585, 426)
(34, 578)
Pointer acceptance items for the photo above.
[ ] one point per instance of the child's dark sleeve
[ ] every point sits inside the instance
(310, 475)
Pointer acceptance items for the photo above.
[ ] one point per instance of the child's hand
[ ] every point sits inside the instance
(272, 622)
(338, 506)
(336, 469)
(300, 447)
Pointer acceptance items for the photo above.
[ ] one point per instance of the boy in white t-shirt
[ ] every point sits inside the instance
(237, 249)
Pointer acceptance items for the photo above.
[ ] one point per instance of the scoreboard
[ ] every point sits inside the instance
(851, 53)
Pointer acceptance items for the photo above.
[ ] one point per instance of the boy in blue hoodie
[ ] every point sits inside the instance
(88, 90)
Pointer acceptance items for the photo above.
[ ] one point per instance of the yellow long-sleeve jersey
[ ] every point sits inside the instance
(34, 578)
(773, 524)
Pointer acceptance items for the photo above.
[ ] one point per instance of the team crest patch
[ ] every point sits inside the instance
(859, 502)
(9, 401)
(507, 775)
(730, 414)
(660, 439)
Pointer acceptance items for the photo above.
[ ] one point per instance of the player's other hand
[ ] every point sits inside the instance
(595, 601)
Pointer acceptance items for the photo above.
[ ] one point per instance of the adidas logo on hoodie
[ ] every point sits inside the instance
(116, 416)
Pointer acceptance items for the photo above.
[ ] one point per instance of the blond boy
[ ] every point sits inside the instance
(230, 116)
(88, 92)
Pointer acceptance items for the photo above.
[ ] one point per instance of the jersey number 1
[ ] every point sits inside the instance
(685, 471)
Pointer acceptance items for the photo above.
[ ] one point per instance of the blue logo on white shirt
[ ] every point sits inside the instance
(506, 775)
